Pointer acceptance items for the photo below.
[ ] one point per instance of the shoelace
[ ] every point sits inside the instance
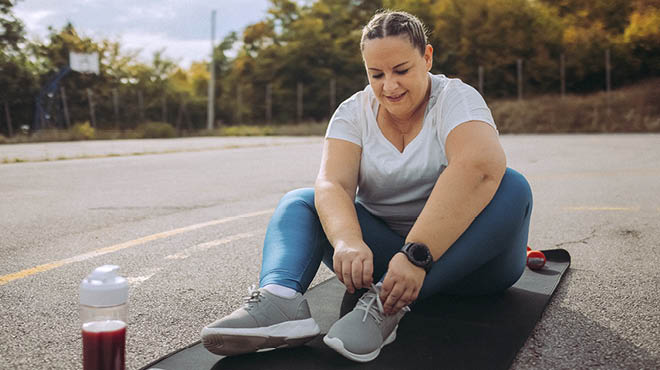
(255, 296)
(366, 303)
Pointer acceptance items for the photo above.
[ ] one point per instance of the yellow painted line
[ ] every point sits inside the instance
(114, 248)
(585, 208)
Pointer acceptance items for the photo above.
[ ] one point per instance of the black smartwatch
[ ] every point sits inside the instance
(418, 254)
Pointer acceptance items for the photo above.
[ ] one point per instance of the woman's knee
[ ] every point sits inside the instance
(513, 198)
(516, 186)
(303, 196)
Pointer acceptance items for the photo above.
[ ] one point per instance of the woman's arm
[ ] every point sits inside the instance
(334, 197)
(476, 165)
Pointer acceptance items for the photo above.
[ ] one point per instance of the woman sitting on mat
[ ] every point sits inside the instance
(413, 193)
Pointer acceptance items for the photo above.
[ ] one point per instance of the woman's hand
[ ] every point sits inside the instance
(354, 265)
(402, 284)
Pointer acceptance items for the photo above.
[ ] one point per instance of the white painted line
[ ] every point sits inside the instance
(134, 281)
(207, 245)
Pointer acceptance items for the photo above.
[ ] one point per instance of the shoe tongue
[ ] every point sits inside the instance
(375, 290)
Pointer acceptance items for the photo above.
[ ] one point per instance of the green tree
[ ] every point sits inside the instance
(17, 72)
(611, 15)
(494, 34)
(591, 27)
(316, 41)
(224, 90)
(309, 44)
(11, 28)
(642, 40)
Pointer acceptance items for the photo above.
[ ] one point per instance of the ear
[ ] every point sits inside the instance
(428, 57)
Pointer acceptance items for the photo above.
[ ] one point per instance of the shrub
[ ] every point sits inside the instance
(82, 131)
(155, 130)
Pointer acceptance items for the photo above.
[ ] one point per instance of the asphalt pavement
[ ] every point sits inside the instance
(38, 152)
(185, 219)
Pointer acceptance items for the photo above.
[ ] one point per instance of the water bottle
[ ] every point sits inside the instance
(103, 314)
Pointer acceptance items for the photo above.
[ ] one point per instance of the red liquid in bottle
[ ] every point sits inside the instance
(104, 345)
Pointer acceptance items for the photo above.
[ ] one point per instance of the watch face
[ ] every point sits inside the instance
(419, 254)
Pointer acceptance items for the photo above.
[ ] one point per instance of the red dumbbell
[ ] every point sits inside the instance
(535, 259)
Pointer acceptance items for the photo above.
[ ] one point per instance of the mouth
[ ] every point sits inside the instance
(395, 98)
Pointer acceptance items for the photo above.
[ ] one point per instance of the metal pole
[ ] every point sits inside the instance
(10, 131)
(42, 119)
(608, 80)
(164, 109)
(92, 114)
(333, 95)
(185, 112)
(269, 103)
(300, 103)
(562, 74)
(239, 102)
(481, 80)
(65, 107)
(520, 78)
(115, 106)
(141, 105)
(608, 68)
(179, 116)
(211, 103)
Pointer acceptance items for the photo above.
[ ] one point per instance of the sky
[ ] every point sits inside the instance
(181, 27)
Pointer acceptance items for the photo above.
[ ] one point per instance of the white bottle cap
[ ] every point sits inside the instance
(104, 288)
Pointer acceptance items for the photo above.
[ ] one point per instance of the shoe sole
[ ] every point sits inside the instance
(231, 341)
(338, 345)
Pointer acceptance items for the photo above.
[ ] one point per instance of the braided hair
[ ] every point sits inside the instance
(395, 23)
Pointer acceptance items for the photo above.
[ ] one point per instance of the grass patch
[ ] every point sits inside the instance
(302, 129)
(631, 109)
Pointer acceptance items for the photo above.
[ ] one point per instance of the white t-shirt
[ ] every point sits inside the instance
(393, 185)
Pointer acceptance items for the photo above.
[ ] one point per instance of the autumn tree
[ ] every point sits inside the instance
(310, 44)
(315, 42)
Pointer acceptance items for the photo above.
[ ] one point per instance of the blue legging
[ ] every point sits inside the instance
(488, 257)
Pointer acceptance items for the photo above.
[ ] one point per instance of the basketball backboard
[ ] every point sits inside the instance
(84, 62)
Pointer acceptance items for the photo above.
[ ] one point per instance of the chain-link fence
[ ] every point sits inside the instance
(126, 106)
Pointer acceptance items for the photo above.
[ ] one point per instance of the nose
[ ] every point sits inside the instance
(391, 83)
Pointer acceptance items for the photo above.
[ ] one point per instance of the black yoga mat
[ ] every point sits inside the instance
(442, 332)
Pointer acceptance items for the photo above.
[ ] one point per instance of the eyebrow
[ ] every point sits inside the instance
(395, 67)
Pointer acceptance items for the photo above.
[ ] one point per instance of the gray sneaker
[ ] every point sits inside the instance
(265, 322)
(361, 334)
